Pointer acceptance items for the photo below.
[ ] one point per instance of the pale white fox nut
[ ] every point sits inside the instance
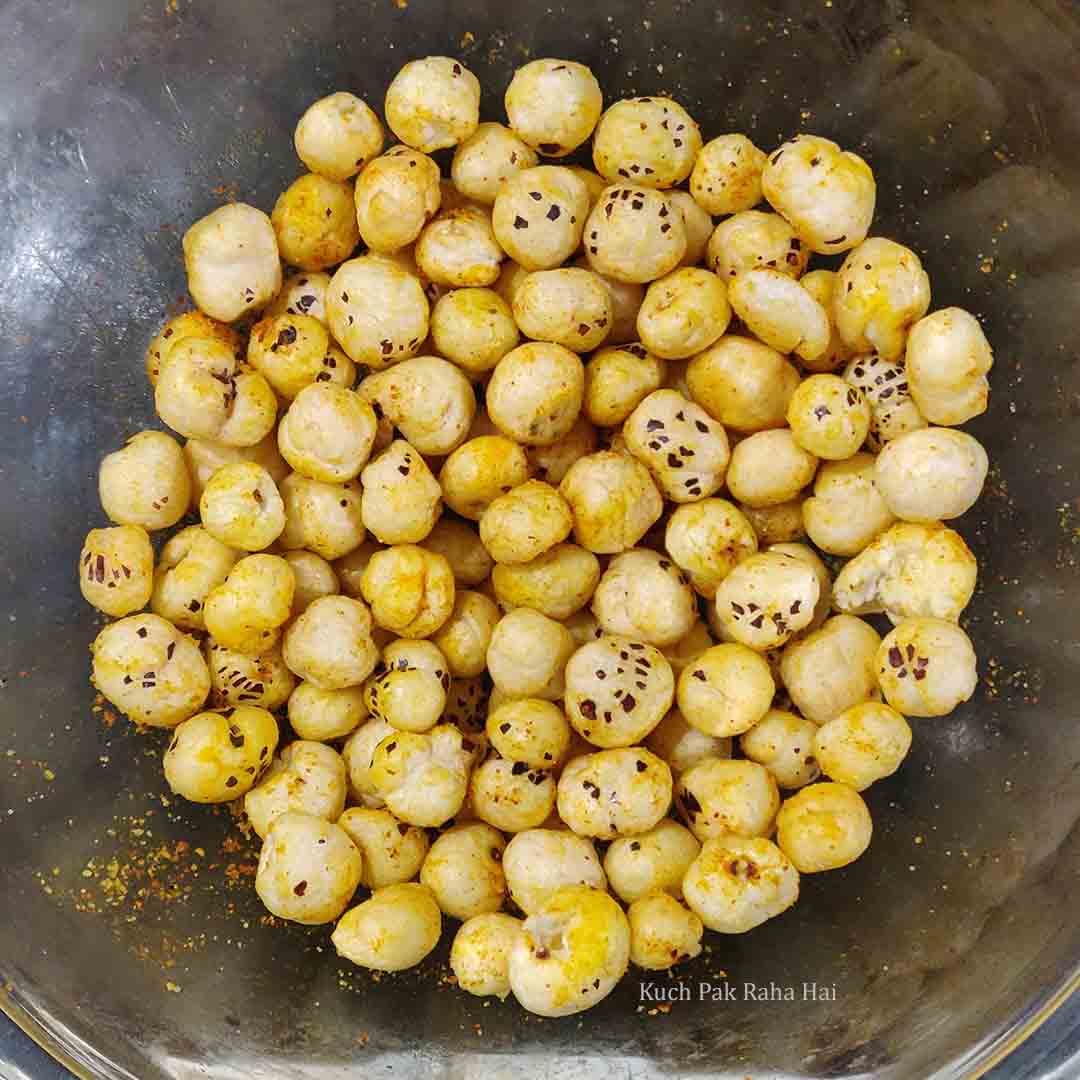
(885, 385)
(324, 518)
(739, 882)
(338, 135)
(314, 576)
(537, 862)
(620, 792)
(146, 483)
(539, 215)
(396, 195)
(530, 730)
(767, 598)
(650, 141)
(662, 932)
(330, 644)
(457, 248)
(634, 234)
(553, 105)
(490, 155)
(524, 523)
(535, 393)
(308, 869)
(726, 690)
(781, 313)
(422, 777)
(401, 500)
(241, 507)
(376, 311)
(719, 796)
(116, 569)
(433, 103)
(910, 569)
(149, 670)
(465, 636)
(247, 610)
(754, 240)
(204, 458)
(393, 930)
(480, 954)
(697, 224)
(651, 862)
(553, 461)
(617, 380)
(880, 291)
(684, 449)
(823, 827)
(327, 433)
(314, 219)
(392, 851)
(642, 595)
(216, 757)
(409, 685)
(508, 795)
(303, 294)
(831, 669)
(289, 351)
(742, 383)
(464, 870)
(826, 193)
(829, 417)
(473, 328)
(528, 653)
(933, 474)
(323, 715)
(948, 357)
(308, 777)
(410, 590)
(784, 743)
(707, 540)
(727, 175)
(617, 691)
(571, 953)
(863, 744)
(926, 667)
(191, 564)
(571, 307)
(238, 679)
(846, 511)
(682, 746)
(768, 468)
(232, 262)
(806, 554)
(683, 313)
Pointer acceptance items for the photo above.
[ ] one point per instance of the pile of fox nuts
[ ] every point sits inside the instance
(516, 516)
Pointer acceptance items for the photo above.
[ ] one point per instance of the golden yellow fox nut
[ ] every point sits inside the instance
(216, 757)
(116, 569)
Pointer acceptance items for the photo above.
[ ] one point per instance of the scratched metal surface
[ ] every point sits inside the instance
(122, 121)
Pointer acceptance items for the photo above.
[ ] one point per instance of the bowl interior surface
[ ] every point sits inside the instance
(132, 942)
